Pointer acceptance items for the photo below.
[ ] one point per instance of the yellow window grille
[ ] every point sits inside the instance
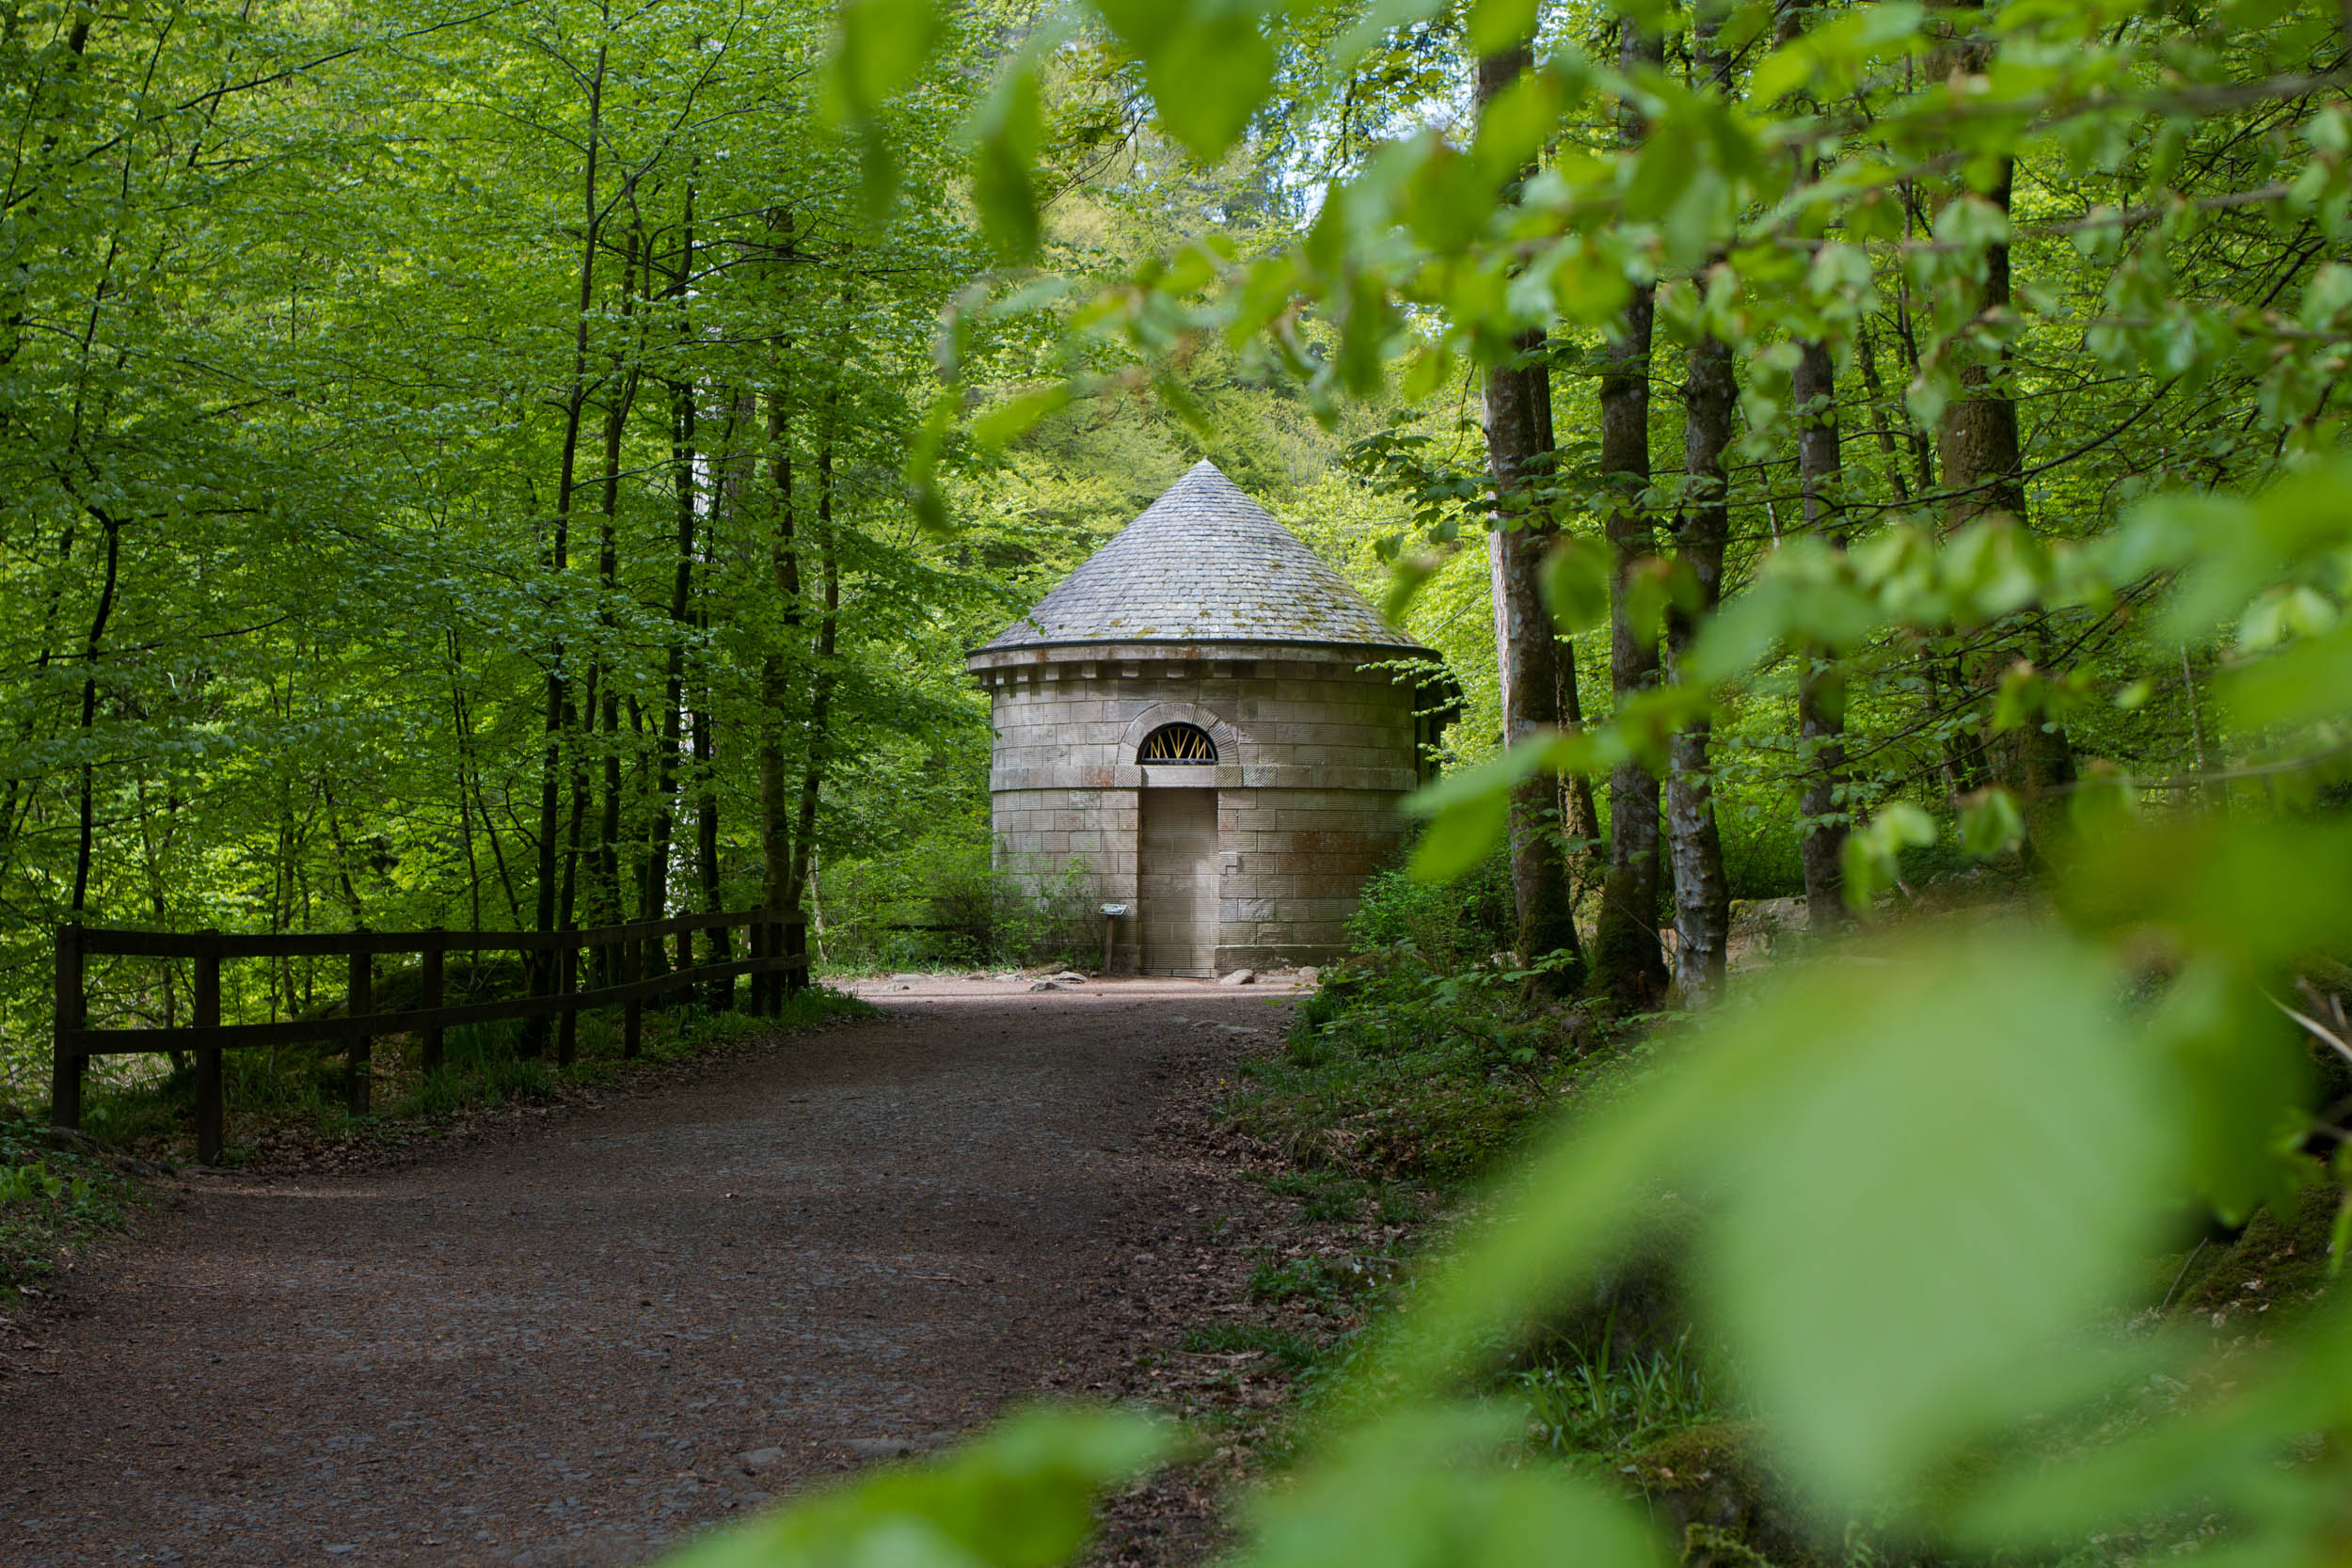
(1177, 743)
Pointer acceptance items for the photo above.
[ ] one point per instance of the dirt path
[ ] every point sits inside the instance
(574, 1344)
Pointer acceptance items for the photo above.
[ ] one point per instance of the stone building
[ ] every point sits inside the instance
(1219, 728)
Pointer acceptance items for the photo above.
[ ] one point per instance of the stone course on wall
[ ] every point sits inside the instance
(1315, 752)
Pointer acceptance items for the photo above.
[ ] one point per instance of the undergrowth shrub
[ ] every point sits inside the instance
(1451, 924)
(947, 906)
(1400, 1069)
(1599, 1404)
(50, 1199)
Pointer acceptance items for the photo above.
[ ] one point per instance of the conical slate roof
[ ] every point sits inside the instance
(1205, 563)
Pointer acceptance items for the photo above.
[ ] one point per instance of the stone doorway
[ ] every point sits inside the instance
(1176, 882)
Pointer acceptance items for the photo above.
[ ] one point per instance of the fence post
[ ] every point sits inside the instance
(538, 965)
(683, 995)
(208, 1110)
(719, 947)
(433, 982)
(359, 1001)
(756, 938)
(66, 1063)
(779, 982)
(567, 987)
(796, 946)
(633, 1010)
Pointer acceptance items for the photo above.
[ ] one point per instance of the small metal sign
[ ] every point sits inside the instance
(1114, 908)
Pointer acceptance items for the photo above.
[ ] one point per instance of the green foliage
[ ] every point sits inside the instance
(1021, 1497)
(1402, 1069)
(1453, 926)
(1311, 1279)
(50, 1200)
(1590, 1402)
(941, 902)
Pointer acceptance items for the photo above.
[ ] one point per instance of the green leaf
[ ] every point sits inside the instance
(1470, 808)
(1014, 417)
(1496, 25)
(1576, 585)
(1023, 1496)
(878, 47)
(1460, 836)
(2303, 683)
(1990, 823)
(1953, 1168)
(2105, 800)
(1428, 1489)
(2242, 1089)
(1874, 851)
(1208, 63)
(1004, 150)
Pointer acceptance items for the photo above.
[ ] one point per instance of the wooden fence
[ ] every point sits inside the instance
(777, 965)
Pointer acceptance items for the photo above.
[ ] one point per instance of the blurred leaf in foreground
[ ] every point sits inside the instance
(1957, 1164)
(1432, 1490)
(1023, 1496)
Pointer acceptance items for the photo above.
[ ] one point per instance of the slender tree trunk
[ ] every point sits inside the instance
(1983, 458)
(1580, 820)
(567, 903)
(736, 473)
(86, 836)
(1821, 680)
(1978, 445)
(722, 993)
(821, 682)
(784, 565)
(1702, 894)
(1519, 457)
(1628, 963)
(653, 899)
(1883, 413)
(1702, 530)
(557, 561)
(604, 862)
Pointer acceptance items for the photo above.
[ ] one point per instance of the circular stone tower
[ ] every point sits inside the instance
(1211, 724)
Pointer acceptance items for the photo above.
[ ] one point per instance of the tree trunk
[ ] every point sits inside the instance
(654, 886)
(1628, 964)
(1820, 681)
(1978, 447)
(784, 562)
(721, 994)
(86, 834)
(1983, 458)
(1580, 819)
(604, 860)
(558, 561)
(1702, 527)
(822, 681)
(1519, 457)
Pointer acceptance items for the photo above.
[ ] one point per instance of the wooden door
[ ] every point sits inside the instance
(1176, 882)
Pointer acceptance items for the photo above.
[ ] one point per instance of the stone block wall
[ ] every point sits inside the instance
(1315, 752)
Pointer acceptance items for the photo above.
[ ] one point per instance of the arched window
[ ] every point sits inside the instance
(1177, 743)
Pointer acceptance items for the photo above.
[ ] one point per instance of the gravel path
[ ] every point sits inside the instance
(574, 1344)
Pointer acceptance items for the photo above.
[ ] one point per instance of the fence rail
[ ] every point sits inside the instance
(777, 965)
